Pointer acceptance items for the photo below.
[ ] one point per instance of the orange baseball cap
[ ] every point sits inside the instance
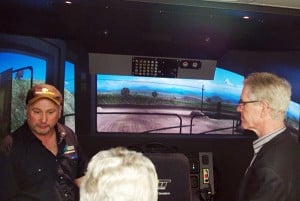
(41, 91)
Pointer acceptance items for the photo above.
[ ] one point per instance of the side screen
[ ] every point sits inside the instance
(5, 102)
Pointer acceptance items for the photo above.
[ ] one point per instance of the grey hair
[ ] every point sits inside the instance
(272, 89)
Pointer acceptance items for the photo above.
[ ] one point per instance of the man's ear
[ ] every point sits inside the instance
(265, 107)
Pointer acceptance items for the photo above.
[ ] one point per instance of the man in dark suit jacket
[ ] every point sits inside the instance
(274, 172)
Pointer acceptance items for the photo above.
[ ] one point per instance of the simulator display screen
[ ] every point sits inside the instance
(129, 104)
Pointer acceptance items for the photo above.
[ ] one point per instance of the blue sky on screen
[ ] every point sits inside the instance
(69, 76)
(224, 81)
(16, 61)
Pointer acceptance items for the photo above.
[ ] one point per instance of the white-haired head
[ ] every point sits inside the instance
(119, 174)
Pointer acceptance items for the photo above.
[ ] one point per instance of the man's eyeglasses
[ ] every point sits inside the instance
(243, 103)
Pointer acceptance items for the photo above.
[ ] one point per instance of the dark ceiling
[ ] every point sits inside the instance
(199, 30)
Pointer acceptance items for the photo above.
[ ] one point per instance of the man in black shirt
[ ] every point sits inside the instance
(42, 159)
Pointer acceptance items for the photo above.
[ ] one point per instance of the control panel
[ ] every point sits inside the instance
(161, 67)
(206, 183)
(202, 175)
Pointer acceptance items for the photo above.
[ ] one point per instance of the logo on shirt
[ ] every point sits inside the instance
(70, 151)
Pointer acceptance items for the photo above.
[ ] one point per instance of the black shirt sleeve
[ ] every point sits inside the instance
(8, 187)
